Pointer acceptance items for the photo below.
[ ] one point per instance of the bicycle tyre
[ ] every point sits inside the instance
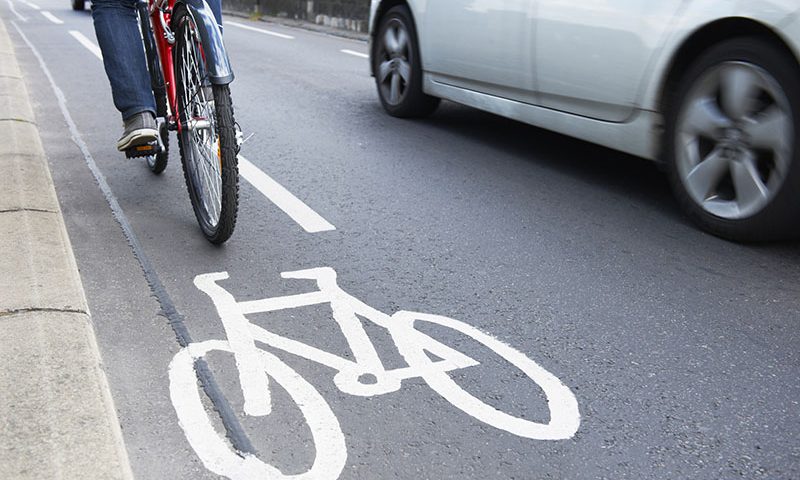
(212, 447)
(156, 163)
(216, 216)
(561, 402)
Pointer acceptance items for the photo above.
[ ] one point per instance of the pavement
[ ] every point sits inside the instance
(58, 416)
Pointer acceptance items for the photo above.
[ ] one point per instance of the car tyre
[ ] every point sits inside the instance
(397, 67)
(732, 141)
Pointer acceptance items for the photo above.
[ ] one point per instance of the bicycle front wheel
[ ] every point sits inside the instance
(561, 402)
(206, 134)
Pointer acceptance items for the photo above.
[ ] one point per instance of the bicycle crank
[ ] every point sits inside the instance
(151, 148)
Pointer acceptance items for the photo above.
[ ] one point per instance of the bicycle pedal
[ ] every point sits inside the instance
(152, 148)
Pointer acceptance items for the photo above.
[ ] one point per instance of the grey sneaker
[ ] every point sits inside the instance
(140, 129)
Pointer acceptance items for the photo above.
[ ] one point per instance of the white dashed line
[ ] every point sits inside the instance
(52, 17)
(354, 53)
(311, 221)
(32, 5)
(90, 45)
(260, 30)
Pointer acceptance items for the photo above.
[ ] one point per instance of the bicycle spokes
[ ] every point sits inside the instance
(198, 125)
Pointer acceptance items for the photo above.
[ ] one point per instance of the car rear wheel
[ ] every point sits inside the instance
(732, 138)
(397, 67)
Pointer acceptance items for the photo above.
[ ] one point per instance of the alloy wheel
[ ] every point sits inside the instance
(394, 67)
(734, 140)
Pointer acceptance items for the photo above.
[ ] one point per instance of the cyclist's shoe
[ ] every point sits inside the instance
(140, 129)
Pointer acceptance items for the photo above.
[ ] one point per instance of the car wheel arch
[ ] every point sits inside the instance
(705, 37)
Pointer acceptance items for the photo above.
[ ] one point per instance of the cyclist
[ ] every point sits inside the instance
(117, 29)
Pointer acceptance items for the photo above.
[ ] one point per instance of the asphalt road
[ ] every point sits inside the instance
(680, 349)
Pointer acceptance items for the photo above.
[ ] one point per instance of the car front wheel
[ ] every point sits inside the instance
(732, 138)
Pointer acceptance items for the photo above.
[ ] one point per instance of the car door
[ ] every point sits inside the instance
(591, 55)
(483, 45)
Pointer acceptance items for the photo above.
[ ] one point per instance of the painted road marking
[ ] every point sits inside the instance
(15, 12)
(52, 17)
(257, 368)
(260, 30)
(311, 221)
(90, 45)
(354, 53)
(32, 5)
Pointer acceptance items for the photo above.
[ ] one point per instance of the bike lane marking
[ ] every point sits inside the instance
(260, 30)
(52, 17)
(354, 53)
(90, 45)
(32, 5)
(259, 367)
(311, 221)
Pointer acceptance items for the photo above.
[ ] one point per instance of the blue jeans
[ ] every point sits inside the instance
(117, 29)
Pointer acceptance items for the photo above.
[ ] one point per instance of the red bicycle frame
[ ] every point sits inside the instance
(160, 12)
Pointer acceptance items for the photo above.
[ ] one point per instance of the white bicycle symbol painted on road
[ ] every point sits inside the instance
(257, 367)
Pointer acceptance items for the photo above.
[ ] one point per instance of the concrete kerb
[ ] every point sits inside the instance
(58, 417)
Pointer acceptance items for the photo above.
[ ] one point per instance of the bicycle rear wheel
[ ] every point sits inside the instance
(158, 162)
(206, 136)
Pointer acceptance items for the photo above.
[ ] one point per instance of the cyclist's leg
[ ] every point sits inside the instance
(117, 30)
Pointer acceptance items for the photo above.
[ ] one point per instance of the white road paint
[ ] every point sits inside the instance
(257, 367)
(32, 5)
(260, 30)
(90, 45)
(311, 221)
(15, 12)
(212, 448)
(52, 17)
(354, 53)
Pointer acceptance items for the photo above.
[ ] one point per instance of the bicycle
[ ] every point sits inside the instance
(189, 75)
(364, 375)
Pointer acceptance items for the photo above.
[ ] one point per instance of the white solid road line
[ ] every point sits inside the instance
(52, 17)
(90, 45)
(301, 213)
(15, 12)
(32, 5)
(354, 53)
(311, 221)
(260, 30)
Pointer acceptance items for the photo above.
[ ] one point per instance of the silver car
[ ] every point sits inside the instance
(711, 88)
